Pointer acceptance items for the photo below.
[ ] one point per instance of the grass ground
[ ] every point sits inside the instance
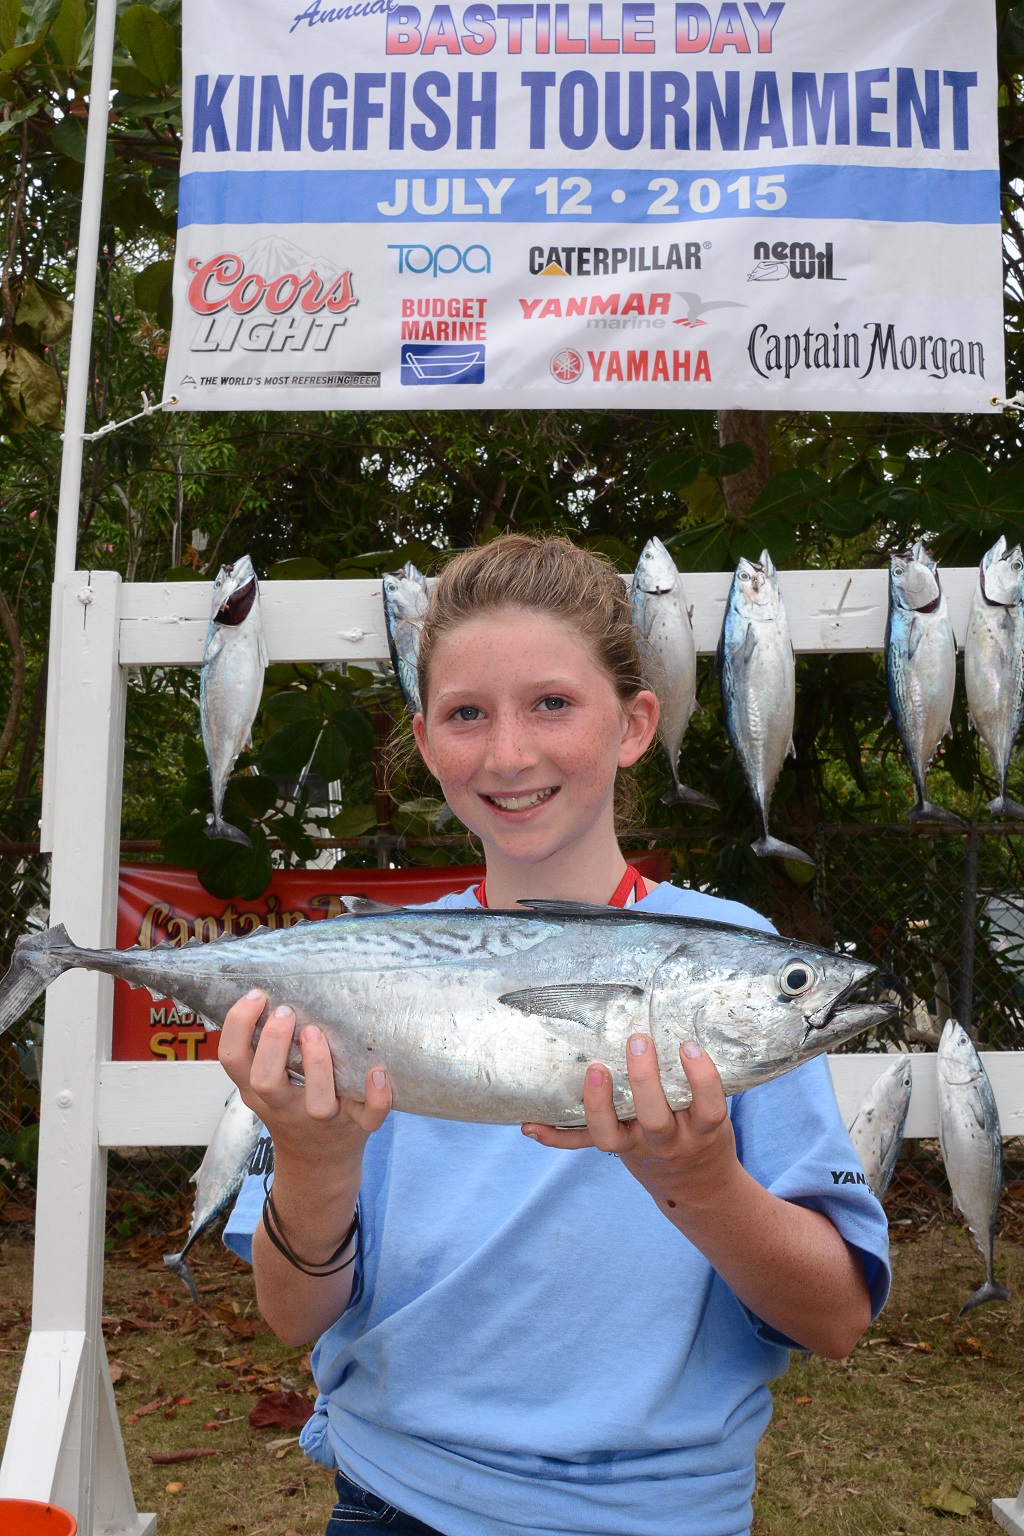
(855, 1447)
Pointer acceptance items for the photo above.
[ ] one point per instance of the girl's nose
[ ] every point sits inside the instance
(509, 749)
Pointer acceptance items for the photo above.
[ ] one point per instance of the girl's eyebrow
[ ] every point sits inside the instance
(546, 685)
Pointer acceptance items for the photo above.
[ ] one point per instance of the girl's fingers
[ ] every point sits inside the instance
(268, 1072)
(318, 1071)
(371, 1114)
(653, 1112)
(565, 1141)
(234, 1047)
(606, 1130)
(707, 1108)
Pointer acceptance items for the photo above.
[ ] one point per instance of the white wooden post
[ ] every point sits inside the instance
(64, 1442)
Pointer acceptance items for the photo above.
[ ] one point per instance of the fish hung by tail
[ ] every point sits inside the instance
(1002, 805)
(924, 810)
(990, 1291)
(680, 794)
(769, 847)
(39, 958)
(216, 826)
(178, 1265)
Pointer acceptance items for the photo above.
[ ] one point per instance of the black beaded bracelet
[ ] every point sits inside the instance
(272, 1227)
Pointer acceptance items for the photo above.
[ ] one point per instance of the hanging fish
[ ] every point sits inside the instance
(920, 669)
(994, 662)
(218, 1178)
(405, 604)
(876, 1130)
(661, 619)
(972, 1148)
(231, 682)
(757, 670)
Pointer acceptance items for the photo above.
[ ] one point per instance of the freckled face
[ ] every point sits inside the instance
(525, 731)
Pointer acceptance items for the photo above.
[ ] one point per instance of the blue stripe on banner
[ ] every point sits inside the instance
(889, 195)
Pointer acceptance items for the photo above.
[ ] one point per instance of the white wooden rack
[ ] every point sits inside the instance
(64, 1442)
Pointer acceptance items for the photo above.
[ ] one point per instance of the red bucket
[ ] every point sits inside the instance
(27, 1517)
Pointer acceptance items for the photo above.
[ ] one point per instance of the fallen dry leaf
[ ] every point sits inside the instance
(174, 1488)
(276, 1447)
(116, 1371)
(280, 1410)
(191, 1453)
(801, 1402)
(949, 1499)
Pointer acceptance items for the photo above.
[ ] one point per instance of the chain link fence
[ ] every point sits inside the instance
(939, 911)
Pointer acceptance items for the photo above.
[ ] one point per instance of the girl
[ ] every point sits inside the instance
(532, 1336)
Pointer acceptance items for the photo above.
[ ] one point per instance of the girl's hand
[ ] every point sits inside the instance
(681, 1157)
(309, 1121)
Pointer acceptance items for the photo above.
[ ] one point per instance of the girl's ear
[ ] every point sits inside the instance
(641, 725)
(419, 731)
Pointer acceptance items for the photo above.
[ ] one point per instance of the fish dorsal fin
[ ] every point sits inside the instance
(365, 905)
(586, 1003)
(551, 906)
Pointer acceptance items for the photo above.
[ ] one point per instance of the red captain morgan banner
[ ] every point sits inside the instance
(158, 904)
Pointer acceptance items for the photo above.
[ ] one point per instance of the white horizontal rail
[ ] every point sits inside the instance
(177, 1104)
(165, 623)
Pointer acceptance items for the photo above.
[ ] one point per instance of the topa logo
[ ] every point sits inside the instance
(442, 260)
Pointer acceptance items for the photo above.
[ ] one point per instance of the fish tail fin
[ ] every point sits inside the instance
(178, 1265)
(38, 959)
(218, 827)
(1002, 805)
(990, 1291)
(925, 811)
(679, 794)
(768, 847)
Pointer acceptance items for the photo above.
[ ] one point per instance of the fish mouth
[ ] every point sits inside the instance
(239, 605)
(848, 1013)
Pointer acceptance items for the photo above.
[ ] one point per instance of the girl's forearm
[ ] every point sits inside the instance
(312, 1220)
(788, 1264)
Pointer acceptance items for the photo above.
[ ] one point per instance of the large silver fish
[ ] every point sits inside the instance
(972, 1148)
(876, 1130)
(405, 604)
(218, 1178)
(920, 669)
(231, 681)
(661, 619)
(757, 671)
(493, 1016)
(994, 662)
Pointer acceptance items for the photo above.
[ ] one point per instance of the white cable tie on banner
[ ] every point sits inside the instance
(148, 409)
(1015, 402)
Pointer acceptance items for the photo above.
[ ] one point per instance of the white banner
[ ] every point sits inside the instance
(784, 205)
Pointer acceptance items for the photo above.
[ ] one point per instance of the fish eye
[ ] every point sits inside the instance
(795, 978)
(1017, 567)
(899, 570)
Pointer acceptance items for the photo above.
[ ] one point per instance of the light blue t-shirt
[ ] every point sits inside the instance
(532, 1348)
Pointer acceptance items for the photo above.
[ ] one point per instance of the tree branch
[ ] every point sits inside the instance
(10, 627)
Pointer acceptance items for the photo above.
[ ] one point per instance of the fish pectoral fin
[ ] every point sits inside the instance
(214, 646)
(915, 636)
(791, 749)
(749, 642)
(365, 905)
(587, 1003)
(264, 655)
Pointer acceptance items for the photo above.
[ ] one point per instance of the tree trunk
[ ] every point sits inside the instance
(751, 429)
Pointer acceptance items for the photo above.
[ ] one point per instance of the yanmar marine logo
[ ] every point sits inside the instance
(301, 306)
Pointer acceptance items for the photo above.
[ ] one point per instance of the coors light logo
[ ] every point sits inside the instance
(297, 307)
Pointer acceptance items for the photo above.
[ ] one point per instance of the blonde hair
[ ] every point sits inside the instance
(579, 589)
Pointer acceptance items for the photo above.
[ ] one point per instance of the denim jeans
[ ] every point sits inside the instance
(358, 1511)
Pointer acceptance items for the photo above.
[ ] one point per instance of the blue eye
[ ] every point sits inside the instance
(552, 703)
(467, 712)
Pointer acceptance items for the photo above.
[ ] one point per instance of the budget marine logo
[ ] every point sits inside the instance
(300, 304)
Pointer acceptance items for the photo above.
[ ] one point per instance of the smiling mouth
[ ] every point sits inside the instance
(520, 802)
